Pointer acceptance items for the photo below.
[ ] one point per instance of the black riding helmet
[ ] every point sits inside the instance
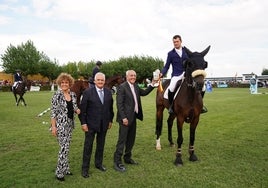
(99, 63)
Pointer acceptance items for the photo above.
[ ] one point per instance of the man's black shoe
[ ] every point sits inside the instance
(85, 174)
(131, 161)
(101, 168)
(119, 167)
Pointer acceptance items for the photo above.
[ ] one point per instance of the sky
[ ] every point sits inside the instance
(105, 30)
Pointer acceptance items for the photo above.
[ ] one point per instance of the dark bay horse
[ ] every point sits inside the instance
(80, 85)
(113, 81)
(188, 103)
(20, 91)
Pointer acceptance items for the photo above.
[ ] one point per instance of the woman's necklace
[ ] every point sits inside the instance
(67, 96)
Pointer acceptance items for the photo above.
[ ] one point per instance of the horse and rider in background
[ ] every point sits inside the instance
(17, 79)
(19, 87)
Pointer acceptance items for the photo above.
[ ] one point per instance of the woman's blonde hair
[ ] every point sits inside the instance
(65, 76)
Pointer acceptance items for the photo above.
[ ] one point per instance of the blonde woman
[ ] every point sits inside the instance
(63, 108)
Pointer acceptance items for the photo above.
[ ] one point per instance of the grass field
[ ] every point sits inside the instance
(231, 144)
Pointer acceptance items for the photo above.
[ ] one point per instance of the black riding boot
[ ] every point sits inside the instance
(204, 109)
(170, 100)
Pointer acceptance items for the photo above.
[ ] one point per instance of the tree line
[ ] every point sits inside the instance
(30, 61)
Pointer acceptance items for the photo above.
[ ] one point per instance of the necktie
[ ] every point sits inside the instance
(136, 109)
(101, 95)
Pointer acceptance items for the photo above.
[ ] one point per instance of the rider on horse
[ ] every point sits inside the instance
(94, 72)
(17, 79)
(176, 57)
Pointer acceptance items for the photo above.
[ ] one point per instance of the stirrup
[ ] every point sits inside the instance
(204, 110)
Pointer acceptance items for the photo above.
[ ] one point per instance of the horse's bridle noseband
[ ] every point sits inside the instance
(193, 83)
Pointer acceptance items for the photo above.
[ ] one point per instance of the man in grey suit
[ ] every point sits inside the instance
(96, 118)
(129, 108)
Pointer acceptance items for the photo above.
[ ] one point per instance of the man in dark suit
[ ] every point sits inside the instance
(129, 108)
(96, 118)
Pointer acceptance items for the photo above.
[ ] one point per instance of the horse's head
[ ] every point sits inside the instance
(114, 81)
(28, 84)
(195, 68)
(120, 79)
(79, 86)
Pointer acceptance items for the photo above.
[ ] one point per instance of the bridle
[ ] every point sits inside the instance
(197, 84)
(191, 76)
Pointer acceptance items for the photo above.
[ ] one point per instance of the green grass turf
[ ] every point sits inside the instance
(231, 144)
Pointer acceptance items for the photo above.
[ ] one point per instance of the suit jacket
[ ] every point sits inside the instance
(93, 111)
(125, 102)
(176, 61)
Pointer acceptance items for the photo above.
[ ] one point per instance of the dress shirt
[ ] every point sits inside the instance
(136, 109)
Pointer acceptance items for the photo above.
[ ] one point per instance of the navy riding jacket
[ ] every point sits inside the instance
(176, 61)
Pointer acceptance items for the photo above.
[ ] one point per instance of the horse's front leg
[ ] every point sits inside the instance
(15, 96)
(178, 161)
(16, 99)
(170, 124)
(23, 101)
(192, 156)
(159, 125)
(19, 100)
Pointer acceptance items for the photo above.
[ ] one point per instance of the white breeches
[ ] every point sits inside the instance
(174, 81)
(15, 83)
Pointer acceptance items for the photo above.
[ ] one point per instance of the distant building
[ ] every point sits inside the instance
(243, 79)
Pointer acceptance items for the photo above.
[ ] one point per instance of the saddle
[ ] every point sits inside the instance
(176, 90)
(15, 86)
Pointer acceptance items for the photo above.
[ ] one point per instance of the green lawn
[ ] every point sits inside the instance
(231, 144)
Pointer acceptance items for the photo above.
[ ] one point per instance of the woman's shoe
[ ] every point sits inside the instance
(60, 179)
(69, 173)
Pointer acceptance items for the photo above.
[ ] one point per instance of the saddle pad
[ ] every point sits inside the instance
(166, 91)
(166, 94)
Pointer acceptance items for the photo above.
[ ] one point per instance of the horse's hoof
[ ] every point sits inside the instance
(178, 165)
(158, 148)
(193, 158)
(178, 162)
(172, 145)
(158, 144)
